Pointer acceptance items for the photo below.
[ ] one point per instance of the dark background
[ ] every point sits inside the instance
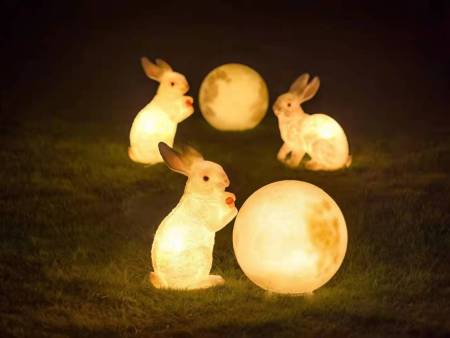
(77, 217)
(378, 61)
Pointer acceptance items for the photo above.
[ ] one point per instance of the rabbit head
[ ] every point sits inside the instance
(170, 82)
(204, 177)
(288, 104)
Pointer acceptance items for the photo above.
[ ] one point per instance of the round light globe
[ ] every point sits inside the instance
(233, 97)
(290, 237)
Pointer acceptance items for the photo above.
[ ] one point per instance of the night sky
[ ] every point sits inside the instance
(377, 62)
(77, 217)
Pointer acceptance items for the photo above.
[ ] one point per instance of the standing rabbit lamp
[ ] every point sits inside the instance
(157, 121)
(183, 244)
(317, 135)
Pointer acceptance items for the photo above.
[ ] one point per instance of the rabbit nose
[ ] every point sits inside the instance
(227, 182)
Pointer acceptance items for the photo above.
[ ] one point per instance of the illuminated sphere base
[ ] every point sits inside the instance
(290, 237)
(233, 97)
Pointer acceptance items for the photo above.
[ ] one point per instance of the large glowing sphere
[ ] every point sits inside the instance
(233, 97)
(290, 237)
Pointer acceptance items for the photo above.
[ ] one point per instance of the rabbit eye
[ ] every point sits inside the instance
(289, 104)
(205, 178)
(172, 83)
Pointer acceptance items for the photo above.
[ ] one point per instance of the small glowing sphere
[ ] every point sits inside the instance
(233, 97)
(290, 237)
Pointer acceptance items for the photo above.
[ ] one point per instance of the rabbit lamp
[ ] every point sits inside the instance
(290, 237)
(157, 121)
(317, 135)
(233, 97)
(183, 244)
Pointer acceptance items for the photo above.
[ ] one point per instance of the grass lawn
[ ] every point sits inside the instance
(77, 219)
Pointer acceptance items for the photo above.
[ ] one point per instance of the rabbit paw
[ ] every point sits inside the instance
(230, 198)
(189, 104)
(189, 101)
(281, 156)
(233, 213)
(283, 152)
(292, 162)
(312, 165)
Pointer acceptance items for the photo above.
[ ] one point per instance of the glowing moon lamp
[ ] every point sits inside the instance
(233, 97)
(290, 237)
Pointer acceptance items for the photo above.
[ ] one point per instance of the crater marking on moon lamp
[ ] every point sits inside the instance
(290, 237)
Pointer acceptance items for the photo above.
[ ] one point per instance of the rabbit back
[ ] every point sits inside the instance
(325, 141)
(151, 126)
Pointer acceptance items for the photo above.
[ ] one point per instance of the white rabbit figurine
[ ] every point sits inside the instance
(318, 135)
(183, 244)
(157, 121)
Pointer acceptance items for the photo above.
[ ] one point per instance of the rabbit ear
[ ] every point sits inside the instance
(299, 84)
(191, 152)
(173, 159)
(190, 155)
(153, 71)
(163, 64)
(311, 89)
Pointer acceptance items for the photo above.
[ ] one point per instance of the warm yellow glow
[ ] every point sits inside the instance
(325, 127)
(233, 97)
(290, 237)
(157, 122)
(183, 244)
(317, 135)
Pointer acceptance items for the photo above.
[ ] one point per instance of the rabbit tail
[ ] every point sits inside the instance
(132, 155)
(349, 161)
(323, 156)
